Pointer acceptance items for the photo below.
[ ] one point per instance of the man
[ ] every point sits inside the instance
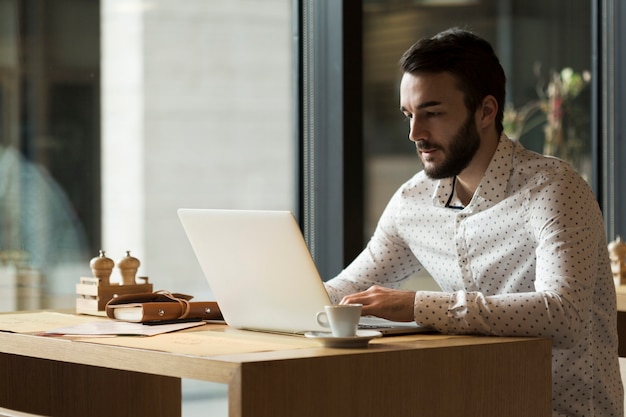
(514, 239)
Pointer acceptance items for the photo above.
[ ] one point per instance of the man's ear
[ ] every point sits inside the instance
(488, 111)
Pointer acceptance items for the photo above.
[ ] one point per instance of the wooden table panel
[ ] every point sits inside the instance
(51, 388)
(483, 380)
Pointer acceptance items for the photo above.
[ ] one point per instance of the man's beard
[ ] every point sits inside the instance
(459, 153)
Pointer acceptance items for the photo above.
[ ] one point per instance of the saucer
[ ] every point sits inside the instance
(361, 339)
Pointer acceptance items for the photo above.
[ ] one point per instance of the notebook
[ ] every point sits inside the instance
(261, 272)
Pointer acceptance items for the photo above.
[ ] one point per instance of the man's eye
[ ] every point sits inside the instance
(433, 113)
(407, 116)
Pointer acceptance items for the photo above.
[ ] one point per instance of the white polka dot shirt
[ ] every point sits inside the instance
(526, 257)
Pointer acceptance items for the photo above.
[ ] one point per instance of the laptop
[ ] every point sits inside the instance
(261, 272)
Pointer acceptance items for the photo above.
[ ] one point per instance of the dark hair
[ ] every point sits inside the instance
(469, 58)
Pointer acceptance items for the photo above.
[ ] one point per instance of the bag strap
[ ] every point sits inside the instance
(184, 304)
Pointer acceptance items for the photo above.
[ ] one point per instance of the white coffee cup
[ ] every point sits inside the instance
(342, 319)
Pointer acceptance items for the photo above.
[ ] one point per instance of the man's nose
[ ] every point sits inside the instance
(416, 132)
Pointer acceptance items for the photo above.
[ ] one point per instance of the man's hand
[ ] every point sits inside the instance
(384, 302)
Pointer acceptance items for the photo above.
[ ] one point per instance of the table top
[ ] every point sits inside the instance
(212, 352)
(621, 297)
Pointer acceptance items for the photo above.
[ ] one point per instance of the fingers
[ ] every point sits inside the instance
(366, 297)
(384, 302)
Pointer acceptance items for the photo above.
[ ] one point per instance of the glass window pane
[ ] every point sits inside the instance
(49, 139)
(114, 113)
(196, 113)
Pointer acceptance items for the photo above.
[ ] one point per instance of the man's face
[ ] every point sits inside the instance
(445, 135)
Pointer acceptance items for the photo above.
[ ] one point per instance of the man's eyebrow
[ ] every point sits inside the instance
(424, 105)
(429, 104)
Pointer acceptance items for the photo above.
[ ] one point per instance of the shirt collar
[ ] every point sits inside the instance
(492, 187)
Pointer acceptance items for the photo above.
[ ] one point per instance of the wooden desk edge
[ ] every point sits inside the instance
(118, 357)
(220, 368)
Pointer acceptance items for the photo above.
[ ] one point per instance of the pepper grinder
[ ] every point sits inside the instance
(617, 255)
(128, 268)
(101, 267)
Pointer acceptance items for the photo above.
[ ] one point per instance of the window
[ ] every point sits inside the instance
(49, 140)
(115, 113)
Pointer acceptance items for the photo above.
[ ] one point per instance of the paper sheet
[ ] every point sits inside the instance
(118, 328)
(37, 322)
(52, 323)
(210, 343)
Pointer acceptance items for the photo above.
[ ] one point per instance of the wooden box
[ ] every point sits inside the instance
(93, 297)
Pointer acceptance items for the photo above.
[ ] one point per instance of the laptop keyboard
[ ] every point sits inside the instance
(373, 323)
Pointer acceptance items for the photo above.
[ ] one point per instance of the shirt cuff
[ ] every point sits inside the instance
(431, 308)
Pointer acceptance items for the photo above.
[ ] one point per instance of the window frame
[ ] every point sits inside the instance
(328, 88)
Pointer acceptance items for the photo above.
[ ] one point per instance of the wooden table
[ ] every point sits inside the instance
(274, 375)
